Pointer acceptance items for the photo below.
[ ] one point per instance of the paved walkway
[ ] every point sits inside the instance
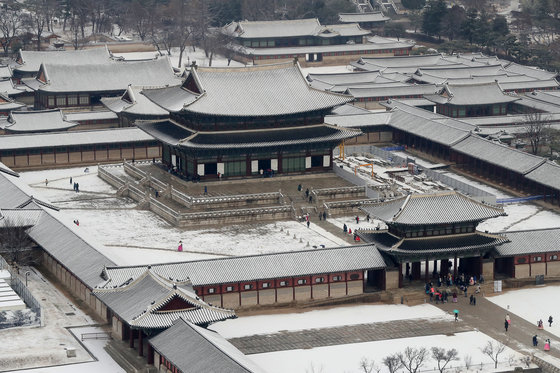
(489, 319)
(305, 339)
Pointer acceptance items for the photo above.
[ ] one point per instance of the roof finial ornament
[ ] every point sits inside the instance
(295, 60)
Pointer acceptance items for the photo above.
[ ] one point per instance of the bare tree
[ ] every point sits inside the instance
(393, 363)
(468, 361)
(11, 24)
(493, 350)
(444, 357)
(536, 128)
(413, 358)
(15, 244)
(368, 366)
(36, 19)
(526, 360)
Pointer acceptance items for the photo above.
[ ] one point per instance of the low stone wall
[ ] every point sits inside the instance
(235, 216)
(342, 192)
(345, 207)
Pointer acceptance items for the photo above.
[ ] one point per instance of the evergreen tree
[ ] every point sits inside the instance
(434, 13)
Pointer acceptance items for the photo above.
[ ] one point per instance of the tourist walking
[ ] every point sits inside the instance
(357, 220)
(308, 223)
(70, 180)
(456, 312)
(535, 341)
(508, 319)
(46, 182)
(549, 320)
(345, 228)
(471, 299)
(506, 325)
(474, 301)
(324, 215)
(180, 247)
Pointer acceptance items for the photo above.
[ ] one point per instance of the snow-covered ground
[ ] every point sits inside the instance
(133, 236)
(521, 217)
(346, 358)
(348, 315)
(103, 362)
(189, 56)
(534, 304)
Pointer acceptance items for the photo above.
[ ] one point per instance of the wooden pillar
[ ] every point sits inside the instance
(140, 343)
(400, 274)
(435, 266)
(455, 267)
(416, 270)
(427, 271)
(150, 354)
(131, 338)
(407, 269)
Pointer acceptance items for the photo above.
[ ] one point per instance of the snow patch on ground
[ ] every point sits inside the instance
(515, 213)
(346, 358)
(339, 316)
(533, 304)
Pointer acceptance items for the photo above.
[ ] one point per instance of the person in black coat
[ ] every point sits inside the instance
(535, 341)
(506, 325)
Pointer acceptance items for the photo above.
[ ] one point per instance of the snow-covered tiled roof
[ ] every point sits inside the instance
(83, 116)
(5, 72)
(141, 303)
(332, 48)
(530, 241)
(440, 208)
(547, 174)
(393, 91)
(64, 241)
(172, 99)
(498, 154)
(267, 90)
(362, 17)
(274, 29)
(471, 94)
(45, 140)
(108, 77)
(134, 102)
(183, 344)
(7, 103)
(8, 88)
(30, 61)
(38, 121)
(351, 29)
(264, 266)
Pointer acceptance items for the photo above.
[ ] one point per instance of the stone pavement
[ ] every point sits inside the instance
(489, 319)
(305, 339)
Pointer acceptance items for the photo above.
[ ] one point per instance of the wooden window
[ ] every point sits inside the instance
(537, 259)
(553, 257)
(60, 100)
(319, 280)
(301, 281)
(283, 283)
(211, 290)
(84, 100)
(72, 100)
(337, 278)
(51, 101)
(229, 288)
(247, 286)
(265, 285)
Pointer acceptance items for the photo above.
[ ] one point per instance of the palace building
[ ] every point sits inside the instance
(435, 227)
(218, 127)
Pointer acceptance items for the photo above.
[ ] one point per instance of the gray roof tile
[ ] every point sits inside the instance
(528, 242)
(441, 208)
(32, 60)
(67, 244)
(38, 121)
(265, 266)
(194, 349)
(141, 303)
(267, 90)
(115, 76)
(498, 154)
